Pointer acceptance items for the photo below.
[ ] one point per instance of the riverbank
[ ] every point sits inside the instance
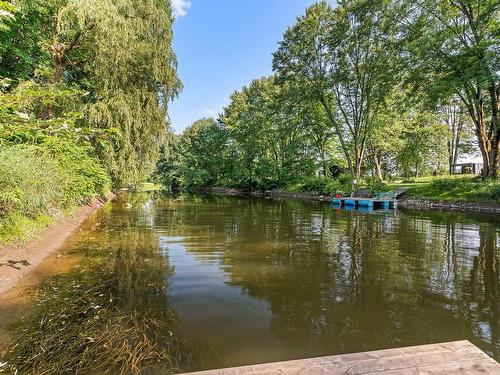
(16, 261)
(405, 202)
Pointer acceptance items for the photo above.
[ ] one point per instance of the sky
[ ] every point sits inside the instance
(221, 46)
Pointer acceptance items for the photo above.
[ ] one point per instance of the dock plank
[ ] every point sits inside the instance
(456, 357)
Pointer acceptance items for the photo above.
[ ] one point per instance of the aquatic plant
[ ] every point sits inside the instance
(85, 321)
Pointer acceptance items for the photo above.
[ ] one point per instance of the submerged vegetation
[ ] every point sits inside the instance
(110, 315)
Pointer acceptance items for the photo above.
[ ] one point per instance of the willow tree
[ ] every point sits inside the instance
(120, 50)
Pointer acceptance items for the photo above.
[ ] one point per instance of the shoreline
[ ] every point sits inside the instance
(17, 261)
(410, 203)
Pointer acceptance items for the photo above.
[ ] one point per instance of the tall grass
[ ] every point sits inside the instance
(30, 182)
(38, 182)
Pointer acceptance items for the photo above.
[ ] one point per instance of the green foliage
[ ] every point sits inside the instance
(40, 181)
(127, 44)
(84, 88)
(423, 145)
(167, 167)
(341, 99)
(203, 147)
(105, 68)
(324, 185)
(345, 58)
(84, 176)
(274, 137)
(454, 53)
(30, 181)
(375, 185)
(26, 28)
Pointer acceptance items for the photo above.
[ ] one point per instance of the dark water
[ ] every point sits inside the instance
(258, 280)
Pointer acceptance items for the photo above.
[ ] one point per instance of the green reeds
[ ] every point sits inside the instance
(81, 327)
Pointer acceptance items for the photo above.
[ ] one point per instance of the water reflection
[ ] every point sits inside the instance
(109, 315)
(256, 280)
(263, 281)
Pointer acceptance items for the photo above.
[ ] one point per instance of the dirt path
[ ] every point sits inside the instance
(17, 261)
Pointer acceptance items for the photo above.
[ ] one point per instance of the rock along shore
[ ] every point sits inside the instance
(411, 203)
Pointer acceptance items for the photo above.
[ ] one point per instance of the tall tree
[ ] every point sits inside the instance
(203, 157)
(455, 49)
(120, 52)
(423, 147)
(346, 57)
(454, 115)
(274, 136)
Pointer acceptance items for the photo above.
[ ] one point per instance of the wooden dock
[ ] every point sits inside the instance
(457, 357)
(365, 202)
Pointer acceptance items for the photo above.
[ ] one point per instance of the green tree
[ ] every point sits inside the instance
(346, 58)
(249, 119)
(203, 154)
(126, 47)
(455, 48)
(275, 136)
(424, 144)
(25, 30)
(167, 167)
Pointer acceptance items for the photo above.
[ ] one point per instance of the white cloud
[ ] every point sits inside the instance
(180, 7)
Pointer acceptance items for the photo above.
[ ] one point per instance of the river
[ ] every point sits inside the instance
(251, 280)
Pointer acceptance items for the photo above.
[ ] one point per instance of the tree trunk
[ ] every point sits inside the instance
(359, 154)
(345, 149)
(488, 139)
(455, 126)
(494, 132)
(378, 167)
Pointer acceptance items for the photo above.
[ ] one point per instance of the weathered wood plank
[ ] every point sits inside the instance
(457, 357)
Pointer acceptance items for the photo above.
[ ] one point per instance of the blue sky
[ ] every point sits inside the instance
(221, 45)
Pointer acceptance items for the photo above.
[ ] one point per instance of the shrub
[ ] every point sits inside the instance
(83, 173)
(448, 184)
(316, 185)
(495, 192)
(326, 185)
(345, 182)
(376, 185)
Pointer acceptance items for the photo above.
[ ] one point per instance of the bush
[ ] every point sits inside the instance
(83, 173)
(345, 182)
(495, 192)
(376, 185)
(448, 184)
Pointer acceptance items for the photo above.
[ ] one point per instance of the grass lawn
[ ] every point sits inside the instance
(461, 188)
(426, 180)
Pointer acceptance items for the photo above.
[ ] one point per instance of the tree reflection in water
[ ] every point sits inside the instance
(257, 280)
(345, 281)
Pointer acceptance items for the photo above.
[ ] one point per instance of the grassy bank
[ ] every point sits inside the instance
(43, 182)
(467, 188)
(453, 189)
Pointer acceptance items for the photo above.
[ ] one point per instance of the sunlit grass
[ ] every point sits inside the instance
(18, 228)
(452, 188)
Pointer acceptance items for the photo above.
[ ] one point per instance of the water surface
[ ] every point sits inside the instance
(259, 280)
